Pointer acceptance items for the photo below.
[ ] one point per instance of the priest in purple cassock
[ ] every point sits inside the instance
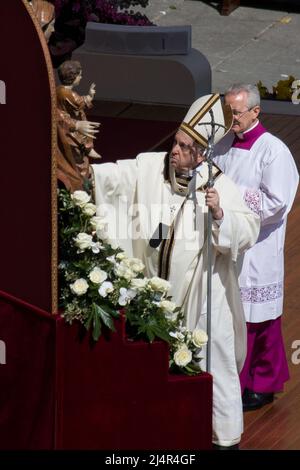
(264, 169)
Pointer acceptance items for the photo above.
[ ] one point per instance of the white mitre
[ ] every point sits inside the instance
(207, 121)
(199, 119)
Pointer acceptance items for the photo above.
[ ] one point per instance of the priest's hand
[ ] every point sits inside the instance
(213, 202)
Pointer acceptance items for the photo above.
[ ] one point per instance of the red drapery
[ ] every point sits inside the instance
(59, 390)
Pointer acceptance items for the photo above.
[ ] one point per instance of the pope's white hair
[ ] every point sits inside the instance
(251, 90)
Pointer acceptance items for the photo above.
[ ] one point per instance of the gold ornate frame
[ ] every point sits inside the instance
(52, 86)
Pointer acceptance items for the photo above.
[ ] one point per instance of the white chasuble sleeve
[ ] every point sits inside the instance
(115, 185)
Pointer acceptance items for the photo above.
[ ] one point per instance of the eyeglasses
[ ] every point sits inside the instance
(239, 114)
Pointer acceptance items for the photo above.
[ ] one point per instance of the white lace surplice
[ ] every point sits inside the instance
(264, 169)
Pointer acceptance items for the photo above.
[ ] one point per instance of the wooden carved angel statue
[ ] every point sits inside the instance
(75, 134)
(45, 13)
(71, 111)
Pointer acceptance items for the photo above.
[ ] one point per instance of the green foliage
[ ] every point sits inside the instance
(281, 91)
(263, 91)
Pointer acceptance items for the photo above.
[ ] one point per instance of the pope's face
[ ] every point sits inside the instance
(243, 117)
(184, 155)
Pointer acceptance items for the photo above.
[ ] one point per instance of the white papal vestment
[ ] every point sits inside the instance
(139, 186)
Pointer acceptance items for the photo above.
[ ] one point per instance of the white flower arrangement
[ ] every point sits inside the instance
(186, 348)
(98, 280)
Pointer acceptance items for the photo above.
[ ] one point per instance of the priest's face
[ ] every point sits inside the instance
(243, 116)
(185, 155)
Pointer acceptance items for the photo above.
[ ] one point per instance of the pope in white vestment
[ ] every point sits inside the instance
(161, 217)
(264, 169)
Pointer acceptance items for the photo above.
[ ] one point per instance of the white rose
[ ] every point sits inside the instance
(121, 270)
(79, 287)
(167, 306)
(97, 276)
(121, 256)
(98, 222)
(80, 198)
(158, 284)
(199, 338)
(103, 235)
(139, 283)
(83, 241)
(182, 357)
(105, 288)
(112, 242)
(134, 264)
(89, 209)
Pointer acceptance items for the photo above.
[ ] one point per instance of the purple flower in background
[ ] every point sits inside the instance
(104, 11)
(77, 6)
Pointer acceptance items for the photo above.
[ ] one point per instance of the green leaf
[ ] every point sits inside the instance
(114, 313)
(105, 317)
(162, 334)
(191, 370)
(96, 326)
(88, 322)
(150, 335)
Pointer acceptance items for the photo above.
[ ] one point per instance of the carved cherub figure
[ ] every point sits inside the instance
(71, 111)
